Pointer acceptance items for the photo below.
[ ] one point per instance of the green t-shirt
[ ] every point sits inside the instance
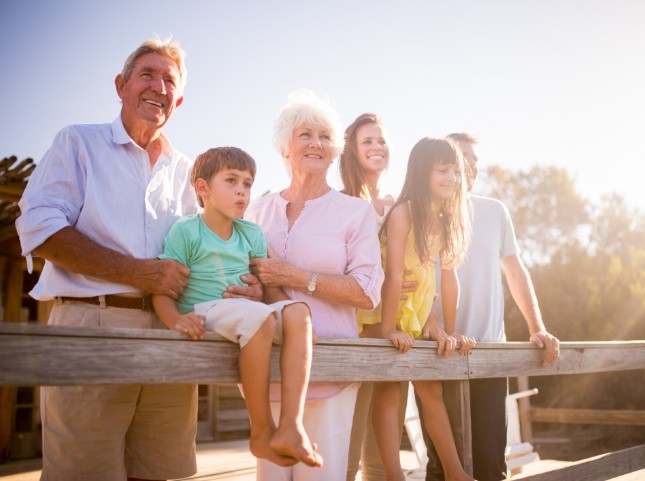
(214, 263)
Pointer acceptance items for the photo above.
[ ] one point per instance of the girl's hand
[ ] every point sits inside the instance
(192, 325)
(431, 330)
(466, 343)
(402, 340)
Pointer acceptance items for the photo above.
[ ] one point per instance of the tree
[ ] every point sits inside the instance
(547, 212)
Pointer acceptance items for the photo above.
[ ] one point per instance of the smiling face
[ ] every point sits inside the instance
(226, 194)
(371, 148)
(444, 178)
(311, 149)
(151, 93)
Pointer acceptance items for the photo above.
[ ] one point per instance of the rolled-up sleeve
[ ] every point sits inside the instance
(364, 254)
(53, 197)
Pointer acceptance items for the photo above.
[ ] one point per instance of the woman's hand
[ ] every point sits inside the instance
(274, 271)
(407, 286)
(402, 340)
(466, 343)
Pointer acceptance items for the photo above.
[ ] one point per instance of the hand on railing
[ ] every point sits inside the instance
(549, 343)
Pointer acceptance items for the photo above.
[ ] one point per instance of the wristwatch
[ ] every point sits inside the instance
(311, 285)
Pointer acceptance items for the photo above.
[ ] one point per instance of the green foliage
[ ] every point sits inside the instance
(587, 263)
(546, 209)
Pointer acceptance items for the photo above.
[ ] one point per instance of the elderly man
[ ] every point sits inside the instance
(97, 208)
(480, 314)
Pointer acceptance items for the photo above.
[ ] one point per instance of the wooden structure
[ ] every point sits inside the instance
(45, 355)
(14, 303)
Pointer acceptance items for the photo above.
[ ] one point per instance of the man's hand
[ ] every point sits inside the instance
(252, 290)
(165, 277)
(549, 343)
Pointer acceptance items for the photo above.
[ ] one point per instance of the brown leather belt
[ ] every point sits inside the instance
(143, 303)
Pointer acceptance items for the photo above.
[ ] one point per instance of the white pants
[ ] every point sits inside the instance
(238, 320)
(328, 423)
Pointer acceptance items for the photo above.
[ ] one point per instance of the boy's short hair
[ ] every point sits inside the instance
(213, 160)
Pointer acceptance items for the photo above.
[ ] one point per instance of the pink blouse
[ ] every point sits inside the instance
(334, 234)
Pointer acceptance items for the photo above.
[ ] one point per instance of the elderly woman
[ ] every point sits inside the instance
(325, 251)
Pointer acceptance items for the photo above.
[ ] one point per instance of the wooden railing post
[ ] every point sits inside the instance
(456, 395)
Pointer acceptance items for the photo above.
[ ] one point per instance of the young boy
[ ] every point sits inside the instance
(217, 246)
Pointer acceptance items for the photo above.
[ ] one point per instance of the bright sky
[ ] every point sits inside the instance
(538, 81)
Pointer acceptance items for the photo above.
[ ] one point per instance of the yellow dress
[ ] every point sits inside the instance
(413, 311)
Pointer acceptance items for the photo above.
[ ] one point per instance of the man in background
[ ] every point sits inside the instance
(493, 250)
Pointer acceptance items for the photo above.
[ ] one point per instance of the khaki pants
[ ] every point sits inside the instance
(111, 432)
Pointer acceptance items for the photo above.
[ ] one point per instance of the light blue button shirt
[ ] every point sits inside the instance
(97, 179)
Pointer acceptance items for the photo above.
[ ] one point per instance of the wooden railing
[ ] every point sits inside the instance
(45, 355)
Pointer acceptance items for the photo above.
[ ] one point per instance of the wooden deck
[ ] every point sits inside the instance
(232, 461)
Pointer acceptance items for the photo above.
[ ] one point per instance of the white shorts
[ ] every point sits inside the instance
(239, 319)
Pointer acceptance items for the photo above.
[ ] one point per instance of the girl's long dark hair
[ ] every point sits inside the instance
(452, 213)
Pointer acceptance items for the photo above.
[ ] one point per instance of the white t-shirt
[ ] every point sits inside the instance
(481, 296)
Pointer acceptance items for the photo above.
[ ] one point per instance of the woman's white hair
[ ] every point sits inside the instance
(305, 107)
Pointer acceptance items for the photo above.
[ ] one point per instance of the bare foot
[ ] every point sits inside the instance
(294, 443)
(260, 448)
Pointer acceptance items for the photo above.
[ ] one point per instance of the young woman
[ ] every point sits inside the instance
(364, 160)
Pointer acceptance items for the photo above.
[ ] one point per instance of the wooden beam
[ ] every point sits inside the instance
(33, 354)
(599, 468)
(523, 409)
(624, 417)
(7, 398)
(13, 299)
(488, 359)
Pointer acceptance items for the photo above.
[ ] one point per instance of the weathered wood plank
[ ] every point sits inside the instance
(42, 359)
(48, 355)
(516, 359)
(598, 468)
(624, 417)
(43, 355)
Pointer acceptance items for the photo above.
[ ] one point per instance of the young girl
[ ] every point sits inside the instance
(428, 220)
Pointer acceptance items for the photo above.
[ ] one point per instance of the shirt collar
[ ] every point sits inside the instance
(121, 136)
